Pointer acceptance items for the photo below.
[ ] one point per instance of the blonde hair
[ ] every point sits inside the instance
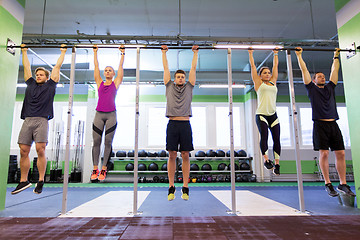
(47, 72)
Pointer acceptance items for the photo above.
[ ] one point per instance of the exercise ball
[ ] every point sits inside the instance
(152, 154)
(153, 167)
(244, 166)
(222, 167)
(121, 154)
(200, 155)
(228, 154)
(220, 153)
(129, 167)
(241, 153)
(162, 153)
(130, 153)
(142, 153)
(206, 167)
(164, 167)
(211, 153)
(194, 167)
(141, 167)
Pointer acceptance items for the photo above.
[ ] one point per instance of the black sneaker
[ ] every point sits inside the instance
(276, 170)
(185, 193)
(330, 190)
(38, 187)
(21, 186)
(269, 164)
(344, 188)
(171, 193)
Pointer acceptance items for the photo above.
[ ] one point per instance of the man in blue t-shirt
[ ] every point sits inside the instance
(326, 132)
(36, 111)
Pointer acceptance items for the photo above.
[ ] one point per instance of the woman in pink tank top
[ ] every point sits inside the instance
(105, 117)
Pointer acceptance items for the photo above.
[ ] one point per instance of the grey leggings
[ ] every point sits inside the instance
(107, 121)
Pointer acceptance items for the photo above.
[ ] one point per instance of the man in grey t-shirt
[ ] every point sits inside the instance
(178, 110)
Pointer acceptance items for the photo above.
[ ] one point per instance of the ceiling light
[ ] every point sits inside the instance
(240, 46)
(221, 86)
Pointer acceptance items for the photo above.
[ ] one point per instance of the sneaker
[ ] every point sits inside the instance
(21, 186)
(171, 194)
(185, 193)
(330, 190)
(269, 164)
(344, 188)
(94, 174)
(276, 170)
(38, 187)
(102, 175)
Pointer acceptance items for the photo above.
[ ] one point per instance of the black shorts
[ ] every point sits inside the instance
(179, 136)
(327, 135)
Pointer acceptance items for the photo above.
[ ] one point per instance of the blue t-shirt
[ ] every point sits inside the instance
(323, 101)
(39, 99)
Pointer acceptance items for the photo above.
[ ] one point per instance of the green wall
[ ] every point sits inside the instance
(349, 33)
(9, 67)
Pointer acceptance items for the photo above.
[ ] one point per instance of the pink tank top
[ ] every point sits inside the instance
(107, 94)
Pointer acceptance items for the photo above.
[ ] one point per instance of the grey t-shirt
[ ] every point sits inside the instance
(178, 100)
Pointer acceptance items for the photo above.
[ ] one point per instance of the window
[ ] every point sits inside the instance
(223, 127)
(78, 114)
(157, 123)
(125, 130)
(285, 133)
(198, 125)
(307, 125)
(343, 125)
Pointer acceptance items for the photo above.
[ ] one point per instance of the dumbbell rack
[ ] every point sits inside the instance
(121, 175)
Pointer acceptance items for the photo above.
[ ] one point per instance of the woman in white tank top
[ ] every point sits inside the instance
(266, 118)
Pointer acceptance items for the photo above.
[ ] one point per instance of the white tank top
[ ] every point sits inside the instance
(266, 99)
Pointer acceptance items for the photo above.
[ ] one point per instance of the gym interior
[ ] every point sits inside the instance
(245, 201)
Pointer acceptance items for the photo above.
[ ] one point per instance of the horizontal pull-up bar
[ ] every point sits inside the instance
(239, 47)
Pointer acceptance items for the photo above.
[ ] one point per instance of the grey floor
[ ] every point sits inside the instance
(201, 203)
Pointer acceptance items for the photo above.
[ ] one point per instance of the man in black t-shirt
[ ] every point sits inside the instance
(36, 111)
(326, 132)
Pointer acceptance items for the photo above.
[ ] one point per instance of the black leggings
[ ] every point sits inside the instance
(269, 122)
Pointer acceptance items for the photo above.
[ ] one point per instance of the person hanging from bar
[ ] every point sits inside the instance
(36, 111)
(105, 116)
(326, 132)
(178, 110)
(266, 117)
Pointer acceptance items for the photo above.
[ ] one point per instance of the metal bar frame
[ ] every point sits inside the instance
(68, 137)
(174, 47)
(232, 161)
(136, 148)
(295, 132)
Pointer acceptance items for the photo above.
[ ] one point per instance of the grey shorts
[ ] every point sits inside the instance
(34, 129)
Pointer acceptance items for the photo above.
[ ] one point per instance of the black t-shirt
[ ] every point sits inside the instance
(39, 99)
(323, 101)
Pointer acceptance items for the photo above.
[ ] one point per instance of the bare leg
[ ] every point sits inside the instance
(324, 164)
(171, 166)
(24, 161)
(341, 165)
(41, 162)
(185, 167)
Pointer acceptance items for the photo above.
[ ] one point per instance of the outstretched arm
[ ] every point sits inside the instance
(167, 76)
(304, 71)
(120, 74)
(26, 63)
(334, 75)
(192, 74)
(55, 73)
(255, 77)
(274, 75)
(97, 76)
